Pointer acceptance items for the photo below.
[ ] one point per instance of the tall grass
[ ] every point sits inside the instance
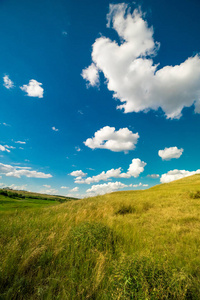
(124, 245)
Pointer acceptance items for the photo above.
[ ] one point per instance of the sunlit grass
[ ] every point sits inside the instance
(123, 245)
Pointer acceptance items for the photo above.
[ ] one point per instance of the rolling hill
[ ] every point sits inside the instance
(124, 245)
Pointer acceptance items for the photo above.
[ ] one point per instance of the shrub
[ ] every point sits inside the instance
(195, 195)
(123, 210)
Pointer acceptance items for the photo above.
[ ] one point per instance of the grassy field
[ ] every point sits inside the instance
(123, 245)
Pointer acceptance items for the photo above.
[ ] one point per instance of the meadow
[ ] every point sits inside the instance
(124, 245)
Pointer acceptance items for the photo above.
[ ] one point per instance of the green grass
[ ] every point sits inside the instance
(123, 245)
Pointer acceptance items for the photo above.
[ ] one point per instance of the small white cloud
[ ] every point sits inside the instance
(104, 188)
(46, 185)
(8, 83)
(108, 138)
(49, 191)
(74, 189)
(64, 187)
(134, 170)
(169, 153)
(153, 176)
(78, 173)
(177, 174)
(18, 172)
(78, 149)
(54, 128)
(80, 112)
(91, 74)
(5, 124)
(4, 148)
(20, 142)
(10, 147)
(33, 89)
(18, 187)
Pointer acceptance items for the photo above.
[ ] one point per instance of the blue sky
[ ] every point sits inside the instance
(98, 96)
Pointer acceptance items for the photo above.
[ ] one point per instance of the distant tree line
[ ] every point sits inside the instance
(12, 194)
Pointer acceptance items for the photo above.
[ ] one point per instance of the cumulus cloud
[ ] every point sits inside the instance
(74, 189)
(169, 153)
(15, 187)
(18, 172)
(135, 168)
(78, 173)
(177, 174)
(49, 191)
(131, 74)
(64, 187)
(46, 185)
(33, 89)
(104, 188)
(8, 83)
(111, 139)
(153, 176)
(138, 185)
(91, 74)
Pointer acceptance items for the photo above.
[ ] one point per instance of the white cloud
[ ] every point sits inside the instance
(169, 153)
(64, 187)
(10, 147)
(33, 89)
(131, 74)
(78, 149)
(49, 191)
(4, 148)
(107, 138)
(153, 176)
(46, 185)
(91, 74)
(5, 124)
(16, 171)
(135, 168)
(176, 174)
(104, 188)
(138, 185)
(20, 142)
(14, 187)
(54, 128)
(78, 173)
(8, 83)
(74, 189)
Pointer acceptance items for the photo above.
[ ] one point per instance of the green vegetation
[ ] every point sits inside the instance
(12, 200)
(123, 245)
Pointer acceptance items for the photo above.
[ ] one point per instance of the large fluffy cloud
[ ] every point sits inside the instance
(176, 174)
(18, 172)
(135, 168)
(111, 139)
(100, 189)
(131, 74)
(33, 89)
(169, 153)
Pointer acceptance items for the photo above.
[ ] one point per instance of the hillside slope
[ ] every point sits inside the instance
(123, 245)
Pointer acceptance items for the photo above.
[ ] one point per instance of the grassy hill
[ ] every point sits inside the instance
(123, 245)
(12, 200)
